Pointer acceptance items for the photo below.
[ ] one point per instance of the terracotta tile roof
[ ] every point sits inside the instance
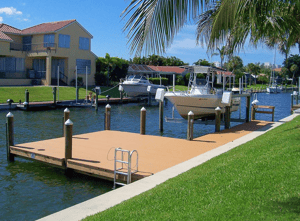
(4, 37)
(277, 69)
(47, 27)
(9, 29)
(167, 69)
(226, 73)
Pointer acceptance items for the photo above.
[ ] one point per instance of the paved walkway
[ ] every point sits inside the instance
(212, 144)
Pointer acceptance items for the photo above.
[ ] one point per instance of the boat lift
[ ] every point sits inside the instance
(208, 121)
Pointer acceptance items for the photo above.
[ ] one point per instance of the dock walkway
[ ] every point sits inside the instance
(93, 153)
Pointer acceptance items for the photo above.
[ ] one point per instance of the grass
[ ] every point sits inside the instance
(43, 93)
(255, 181)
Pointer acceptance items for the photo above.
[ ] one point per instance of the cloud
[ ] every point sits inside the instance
(1, 19)
(10, 11)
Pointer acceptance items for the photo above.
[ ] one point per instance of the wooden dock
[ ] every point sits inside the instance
(93, 153)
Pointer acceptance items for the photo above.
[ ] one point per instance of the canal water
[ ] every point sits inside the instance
(30, 190)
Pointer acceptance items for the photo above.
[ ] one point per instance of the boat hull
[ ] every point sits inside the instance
(273, 90)
(137, 90)
(203, 106)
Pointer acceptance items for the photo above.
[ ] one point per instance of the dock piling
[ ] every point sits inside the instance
(107, 117)
(218, 119)
(96, 100)
(247, 108)
(143, 121)
(68, 140)
(66, 117)
(227, 117)
(161, 116)
(54, 95)
(26, 103)
(190, 129)
(253, 112)
(9, 136)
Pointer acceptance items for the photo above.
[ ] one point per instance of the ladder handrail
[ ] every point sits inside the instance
(122, 161)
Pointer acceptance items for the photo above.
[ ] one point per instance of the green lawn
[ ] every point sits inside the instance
(255, 181)
(43, 93)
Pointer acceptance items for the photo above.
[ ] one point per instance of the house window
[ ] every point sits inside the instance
(26, 43)
(84, 43)
(82, 64)
(49, 40)
(64, 41)
(20, 64)
(2, 64)
(10, 64)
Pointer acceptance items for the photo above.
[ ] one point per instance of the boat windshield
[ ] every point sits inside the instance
(136, 78)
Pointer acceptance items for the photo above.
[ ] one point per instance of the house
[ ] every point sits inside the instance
(37, 54)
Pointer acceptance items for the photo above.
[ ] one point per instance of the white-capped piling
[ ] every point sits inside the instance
(9, 135)
(107, 117)
(68, 140)
(190, 127)
(218, 119)
(143, 121)
(66, 117)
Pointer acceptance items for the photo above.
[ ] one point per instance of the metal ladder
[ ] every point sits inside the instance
(123, 170)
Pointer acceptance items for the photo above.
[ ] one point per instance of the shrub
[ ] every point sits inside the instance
(164, 81)
(100, 78)
(180, 80)
(79, 81)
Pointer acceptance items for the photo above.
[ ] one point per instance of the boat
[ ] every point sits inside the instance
(273, 87)
(138, 85)
(200, 98)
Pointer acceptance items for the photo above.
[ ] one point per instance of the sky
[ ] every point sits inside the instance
(102, 19)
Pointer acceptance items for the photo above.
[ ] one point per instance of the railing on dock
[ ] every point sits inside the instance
(125, 171)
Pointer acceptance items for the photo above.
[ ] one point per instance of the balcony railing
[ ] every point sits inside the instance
(36, 47)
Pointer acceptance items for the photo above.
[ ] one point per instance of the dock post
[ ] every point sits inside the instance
(227, 117)
(66, 117)
(292, 101)
(190, 129)
(54, 95)
(77, 94)
(96, 100)
(107, 117)
(218, 119)
(149, 99)
(68, 141)
(27, 96)
(253, 112)
(247, 108)
(26, 103)
(143, 121)
(161, 116)
(9, 136)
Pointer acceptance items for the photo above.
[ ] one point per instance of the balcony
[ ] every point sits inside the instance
(37, 47)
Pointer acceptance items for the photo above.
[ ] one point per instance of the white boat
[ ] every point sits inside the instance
(202, 100)
(138, 85)
(274, 89)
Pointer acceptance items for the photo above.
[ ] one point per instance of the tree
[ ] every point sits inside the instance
(153, 24)
(113, 68)
(202, 62)
(235, 63)
(222, 53)
(294, 68)
(253, 69)
(288, 63)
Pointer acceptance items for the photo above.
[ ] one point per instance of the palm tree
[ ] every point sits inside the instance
(294, 68)
(152, 24)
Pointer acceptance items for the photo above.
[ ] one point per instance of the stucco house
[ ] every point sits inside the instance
(36, 54)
